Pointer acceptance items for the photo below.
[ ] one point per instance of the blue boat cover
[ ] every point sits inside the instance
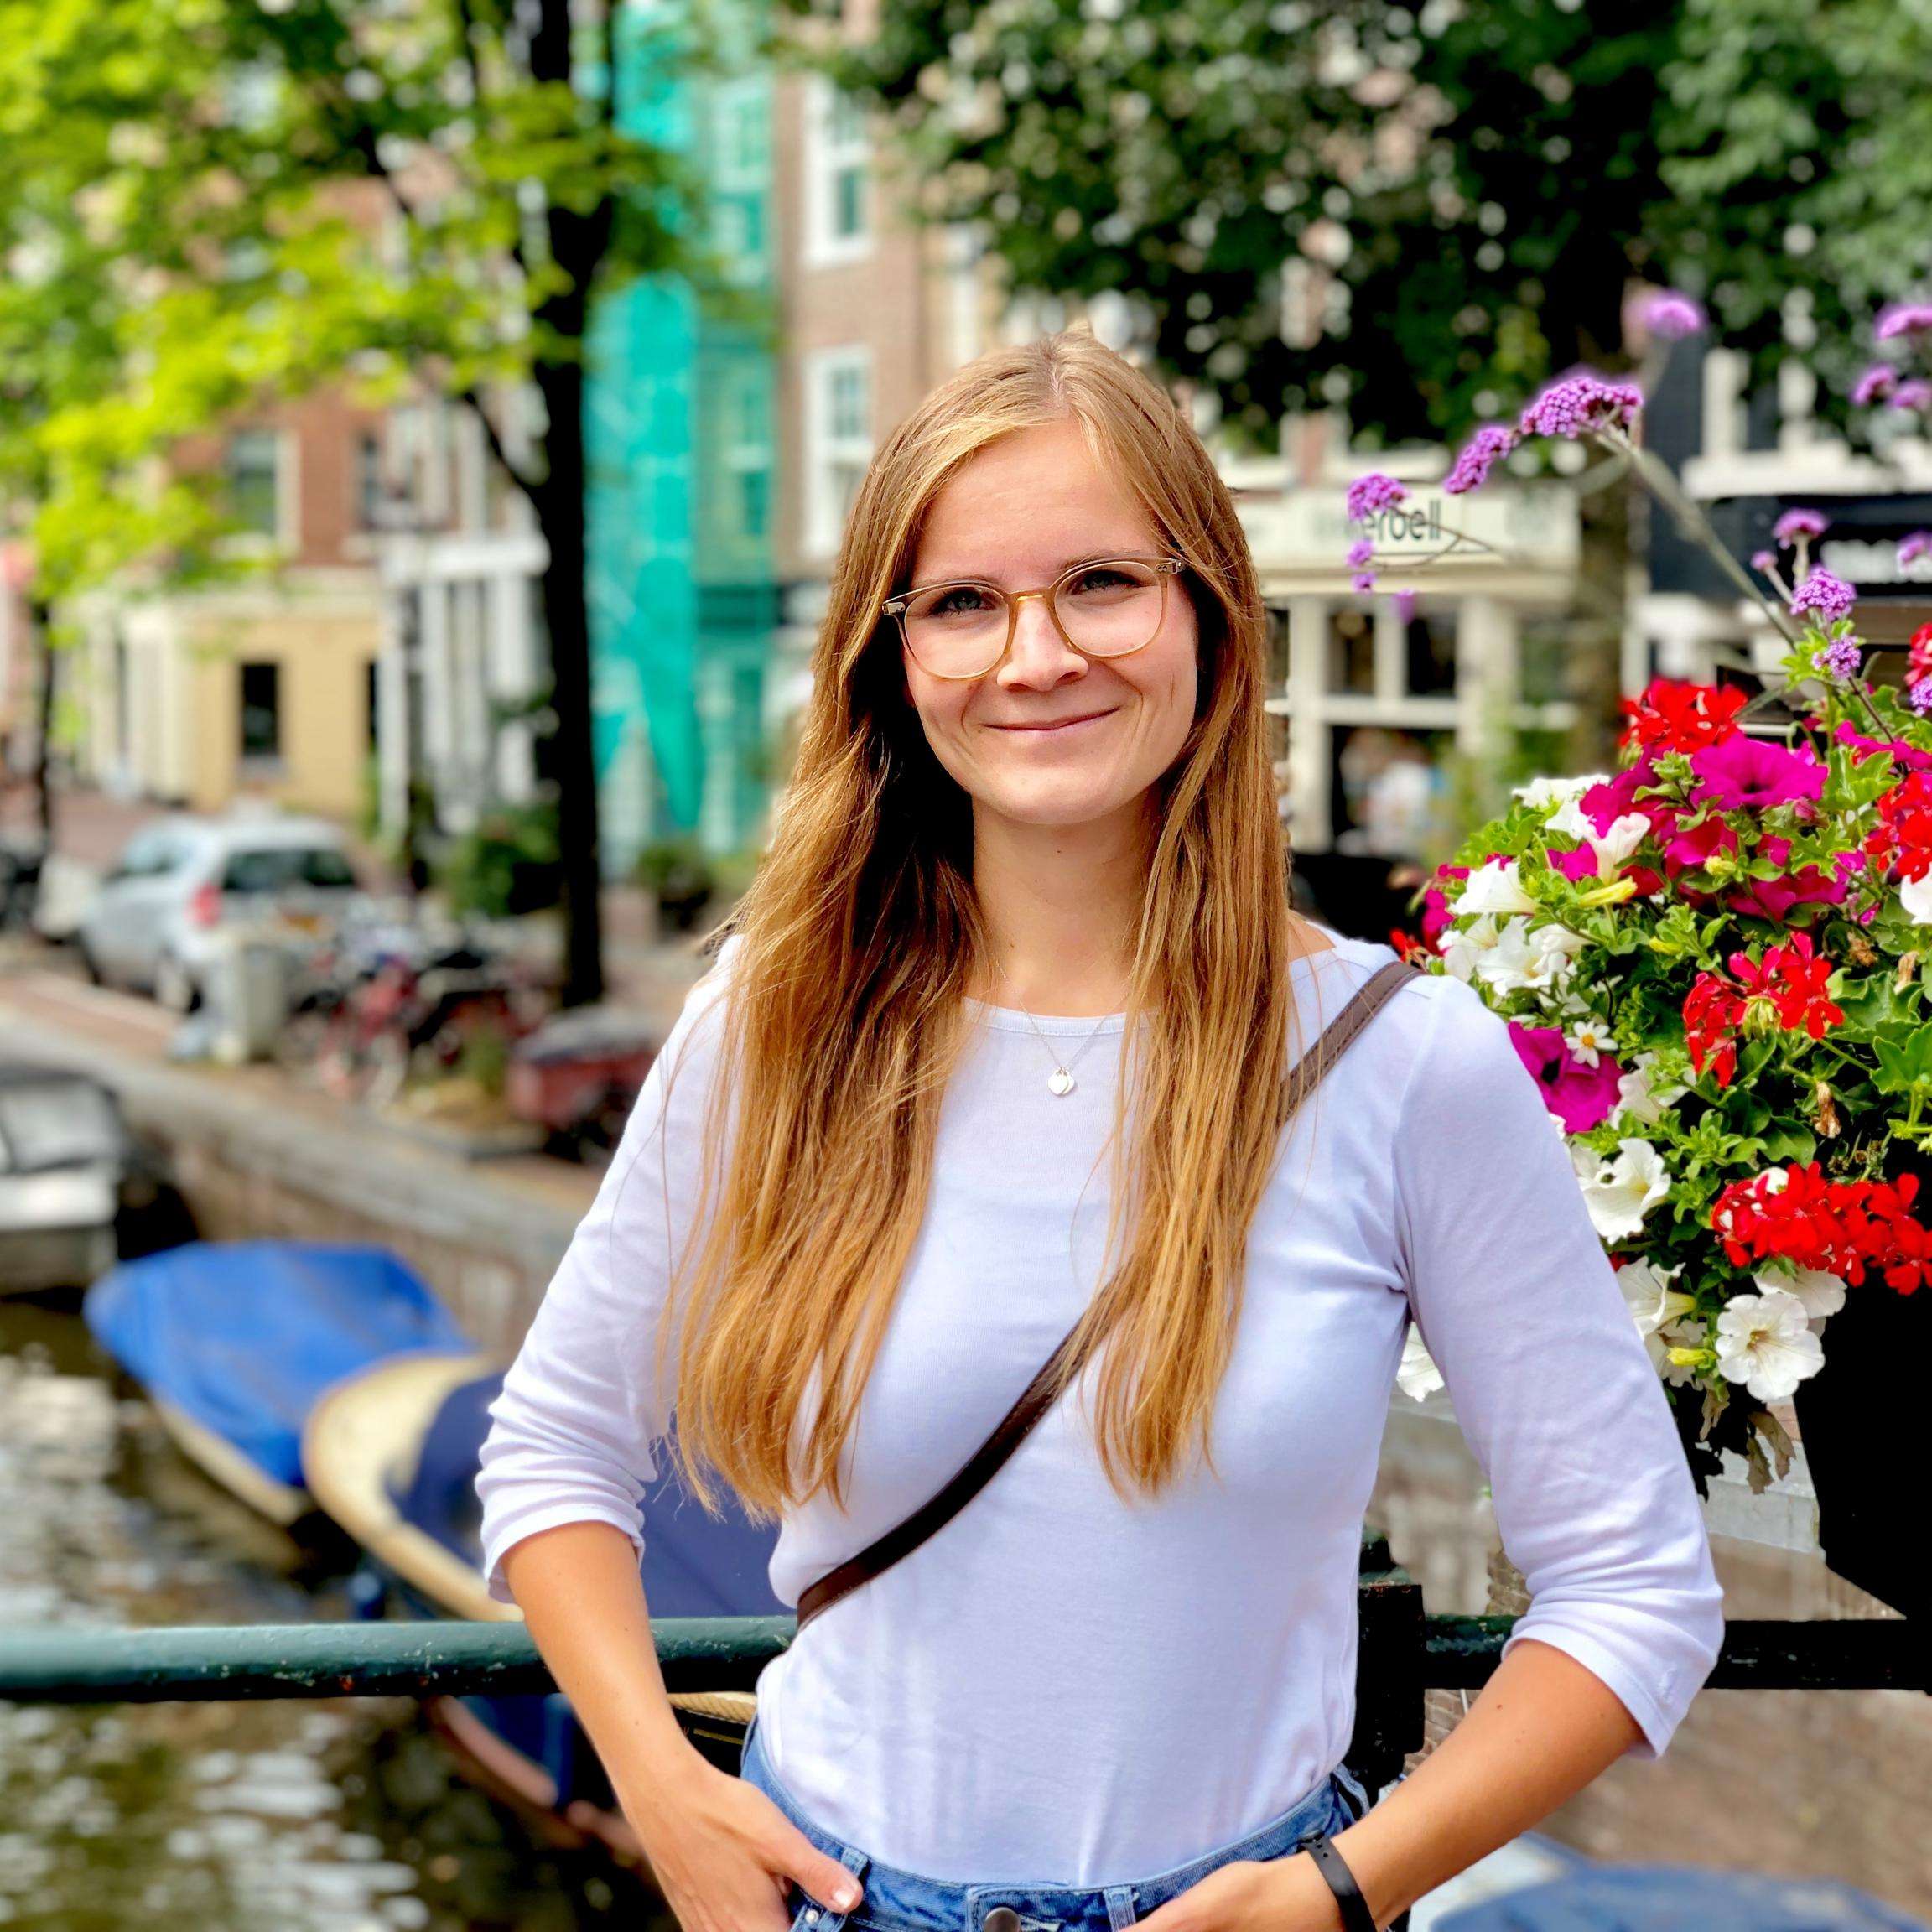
(695, 1565)
(242, 1336)
(1679, 1898)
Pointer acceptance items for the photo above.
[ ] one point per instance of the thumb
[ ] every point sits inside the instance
(822, 1876)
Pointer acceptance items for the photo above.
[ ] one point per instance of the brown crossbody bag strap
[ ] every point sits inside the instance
(1303, 1077)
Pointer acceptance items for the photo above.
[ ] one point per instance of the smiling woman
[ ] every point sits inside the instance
(1103, 1673)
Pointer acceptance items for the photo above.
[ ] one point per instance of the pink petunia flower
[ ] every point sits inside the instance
(1581, 1096)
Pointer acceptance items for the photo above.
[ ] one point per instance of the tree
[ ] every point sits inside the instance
(1471, 187)
(221, 202)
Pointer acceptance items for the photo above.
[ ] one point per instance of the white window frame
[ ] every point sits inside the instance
(745, 451)
(286, 538)
(829, 151)
(827, 448)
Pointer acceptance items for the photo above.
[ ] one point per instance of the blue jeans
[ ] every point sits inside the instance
(908, 1902)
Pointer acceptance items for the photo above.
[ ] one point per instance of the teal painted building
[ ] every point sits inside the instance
(680, 410)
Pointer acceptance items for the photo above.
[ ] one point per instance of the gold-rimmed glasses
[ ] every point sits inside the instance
(1106, 607)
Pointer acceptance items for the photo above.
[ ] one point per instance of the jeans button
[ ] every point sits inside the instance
(1001, 1919)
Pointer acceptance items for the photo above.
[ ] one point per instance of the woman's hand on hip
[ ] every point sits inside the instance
(722, 1854)
(1252, 1895)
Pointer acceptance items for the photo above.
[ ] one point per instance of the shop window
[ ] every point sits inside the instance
(1430, 649)
(1352, 652)
(260, 710)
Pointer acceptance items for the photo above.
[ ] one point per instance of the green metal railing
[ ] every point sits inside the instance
(1402, 1654)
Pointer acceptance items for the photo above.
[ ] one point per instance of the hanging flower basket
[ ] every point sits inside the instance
(1712, 962)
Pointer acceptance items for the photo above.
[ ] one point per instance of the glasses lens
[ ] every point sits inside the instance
(1108, 609)
(958, 629)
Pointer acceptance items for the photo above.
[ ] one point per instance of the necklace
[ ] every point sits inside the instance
(1061, 1079)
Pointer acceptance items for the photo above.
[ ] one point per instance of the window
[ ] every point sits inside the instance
(839, 442)
(254, 480)
(1351, 652)
(369, 493)
(282, 868)
(1431, 653)
(260, 710)
(839, 166)
(150, 854)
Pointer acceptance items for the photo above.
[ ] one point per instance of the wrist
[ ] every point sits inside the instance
(1303, 1901)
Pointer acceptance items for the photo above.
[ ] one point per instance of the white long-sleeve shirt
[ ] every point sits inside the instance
(1060, 1685)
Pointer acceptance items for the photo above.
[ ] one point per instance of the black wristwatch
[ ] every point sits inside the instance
(1356, 1916)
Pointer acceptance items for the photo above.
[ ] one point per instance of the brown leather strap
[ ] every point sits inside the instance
(1303, 1077)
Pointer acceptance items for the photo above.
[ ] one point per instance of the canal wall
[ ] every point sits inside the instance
(255, 1158)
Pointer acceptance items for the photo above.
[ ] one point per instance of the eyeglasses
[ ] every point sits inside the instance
(964, 628)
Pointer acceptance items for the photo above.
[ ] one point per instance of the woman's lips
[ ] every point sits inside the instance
(1055, 729)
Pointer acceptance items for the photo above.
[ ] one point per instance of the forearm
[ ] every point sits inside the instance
(1542, 1729)
(580, 1592)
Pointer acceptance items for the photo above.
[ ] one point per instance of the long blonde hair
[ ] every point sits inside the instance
(861, 931)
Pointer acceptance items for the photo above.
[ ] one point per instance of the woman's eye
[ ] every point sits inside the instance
(1104, 577)
(960, 602)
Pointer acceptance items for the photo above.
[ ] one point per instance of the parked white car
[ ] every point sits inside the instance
(157, 918)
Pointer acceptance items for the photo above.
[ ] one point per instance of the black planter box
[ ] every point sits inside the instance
(1863, 1421)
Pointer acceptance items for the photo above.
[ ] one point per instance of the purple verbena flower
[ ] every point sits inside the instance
(1480, 455)
(1917, 545)
(1361, 553)
(1905, 318)
(1764, 560)
(1919, 695)
(1840, 657)
(1796, 523)
(1364, 580)
(1670, 314)
(1580, 402)
(1917, 394)
(1875, 385)
(1370, 496)
(1824, 596)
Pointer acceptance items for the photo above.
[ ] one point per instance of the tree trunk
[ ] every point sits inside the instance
(577, 241)
(573, 760)
(40, 620)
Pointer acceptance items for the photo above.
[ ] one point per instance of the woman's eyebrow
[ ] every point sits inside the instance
(1104, 555)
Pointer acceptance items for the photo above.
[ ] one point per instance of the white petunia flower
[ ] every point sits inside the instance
(1619, 1192)
(1524, 957)
(1653, 1301)
(1822, 1293)
(1541, 792)
(1637, 1097)
(1614, 846)
(1683, 1333)
(1494, 887)
(1417, 1374)
(1763, 1341)
(1915, 896)
(1462, 946)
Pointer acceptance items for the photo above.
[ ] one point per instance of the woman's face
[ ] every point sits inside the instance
(1018, 514)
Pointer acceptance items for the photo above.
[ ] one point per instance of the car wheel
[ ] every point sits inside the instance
(174, 987)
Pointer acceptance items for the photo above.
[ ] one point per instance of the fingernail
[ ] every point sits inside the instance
(847, 1896)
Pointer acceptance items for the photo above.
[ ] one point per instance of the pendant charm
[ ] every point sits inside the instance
(1060, 1080)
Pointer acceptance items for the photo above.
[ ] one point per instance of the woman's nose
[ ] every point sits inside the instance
(1038, 652)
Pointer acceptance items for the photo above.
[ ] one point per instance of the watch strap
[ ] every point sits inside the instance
(1356, 1917)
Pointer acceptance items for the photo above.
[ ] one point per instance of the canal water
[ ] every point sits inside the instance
(349, 1815)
